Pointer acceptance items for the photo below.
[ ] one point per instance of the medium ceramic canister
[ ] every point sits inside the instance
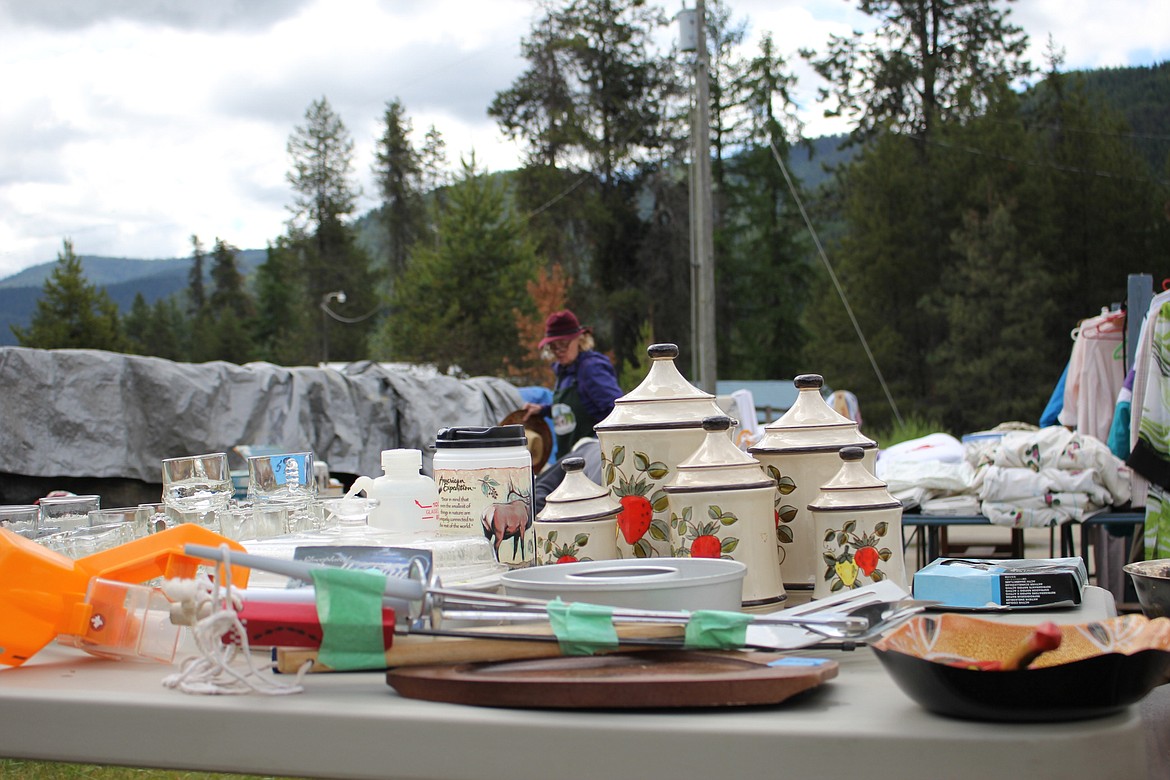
(578, 521)
(859, 529)
(799, 451)
(721, 507)
(649, 432)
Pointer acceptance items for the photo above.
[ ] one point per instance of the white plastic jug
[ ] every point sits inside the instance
(408, 500)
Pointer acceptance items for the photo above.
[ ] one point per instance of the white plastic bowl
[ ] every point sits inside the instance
(657, 583)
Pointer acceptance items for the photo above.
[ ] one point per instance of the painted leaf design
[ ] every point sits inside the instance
(729, 544)
(659, 500)
(658, 469)
(581, 540)
(850, 527)
(788, 513)
(876, 575)
(714, 512)
(659, 531)
(641, 461)
(885, 553)
(829, 535)
(881, 528)
(829, 560)
(619, 455)
(641, 549)
(728, 519)
(610, 473)
(784, 534)
(785, 485)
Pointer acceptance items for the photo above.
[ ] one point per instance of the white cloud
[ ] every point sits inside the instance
(131, 124)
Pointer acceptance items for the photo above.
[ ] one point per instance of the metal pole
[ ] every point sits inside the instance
(703, 219)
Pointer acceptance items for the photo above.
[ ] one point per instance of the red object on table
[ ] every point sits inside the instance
(284, 623)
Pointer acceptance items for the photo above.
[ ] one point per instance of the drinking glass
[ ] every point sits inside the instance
(154, 517)
(23, 519)
(197, 487)
(284, 482)
(135, 521)
(65, 513)
(285, 476)
(84, 540)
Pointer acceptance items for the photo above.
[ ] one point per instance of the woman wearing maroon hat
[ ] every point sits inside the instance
(586, 384)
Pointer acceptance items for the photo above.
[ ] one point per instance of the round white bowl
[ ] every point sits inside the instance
(658, 583)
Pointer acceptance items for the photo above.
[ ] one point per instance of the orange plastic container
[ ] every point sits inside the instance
(43, 594)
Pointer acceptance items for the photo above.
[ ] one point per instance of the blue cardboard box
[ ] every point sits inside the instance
(972, 583)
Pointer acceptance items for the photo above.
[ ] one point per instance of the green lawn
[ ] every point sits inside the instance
(15, 769)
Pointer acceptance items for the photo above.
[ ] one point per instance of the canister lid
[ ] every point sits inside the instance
(471, 437)
(577, 497)
(664, 399)
(718, 464)
(853, 487)
(811, 424)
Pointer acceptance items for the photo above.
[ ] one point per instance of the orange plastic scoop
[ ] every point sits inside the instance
(43, 593)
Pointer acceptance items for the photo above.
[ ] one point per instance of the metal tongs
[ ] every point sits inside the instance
(421, 604)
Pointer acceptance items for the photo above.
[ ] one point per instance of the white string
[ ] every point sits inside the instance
(212, 613)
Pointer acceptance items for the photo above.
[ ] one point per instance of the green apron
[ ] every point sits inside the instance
(570, 420)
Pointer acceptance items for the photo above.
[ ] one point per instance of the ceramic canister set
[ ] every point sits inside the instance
(686, 490)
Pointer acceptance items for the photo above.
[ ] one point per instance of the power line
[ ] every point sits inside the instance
(836, 283)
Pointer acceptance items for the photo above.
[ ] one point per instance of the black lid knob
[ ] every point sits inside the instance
(849, 454)
(660, 351)
(809, 380)
(719, 422)
(574, 463)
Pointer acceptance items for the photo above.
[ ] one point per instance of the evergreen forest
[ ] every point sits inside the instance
(980, 207)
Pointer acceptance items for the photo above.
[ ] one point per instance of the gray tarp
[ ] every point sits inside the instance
(87, 413)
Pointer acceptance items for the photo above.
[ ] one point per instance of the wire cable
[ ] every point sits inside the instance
(836, 283)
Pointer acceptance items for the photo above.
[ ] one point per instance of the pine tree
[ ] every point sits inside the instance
(285, 324)
(71, 312)
(330, 259)
(455, 304)
(398, 172)
(196, 290)
(230, 308)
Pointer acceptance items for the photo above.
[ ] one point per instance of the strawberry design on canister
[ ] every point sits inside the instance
(640, 495)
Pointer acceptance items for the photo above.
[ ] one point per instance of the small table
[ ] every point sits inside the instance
(934, 529)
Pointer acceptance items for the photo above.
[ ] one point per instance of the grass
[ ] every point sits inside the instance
(17, 769)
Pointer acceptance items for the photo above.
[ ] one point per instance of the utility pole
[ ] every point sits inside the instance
(702, 220)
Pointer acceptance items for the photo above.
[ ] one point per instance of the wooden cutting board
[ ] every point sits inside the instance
(645, 680)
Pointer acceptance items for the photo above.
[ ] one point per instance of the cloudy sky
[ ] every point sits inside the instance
(129, 125)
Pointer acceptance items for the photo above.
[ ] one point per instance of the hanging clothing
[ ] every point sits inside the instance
(1051, 414)
(1095, 375)
(1151, 452)
(1141, 367)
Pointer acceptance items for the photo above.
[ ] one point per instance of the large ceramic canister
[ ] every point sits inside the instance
(649, 432)
(859, 529)
(578, 521)
(799, 451)
(721, 507)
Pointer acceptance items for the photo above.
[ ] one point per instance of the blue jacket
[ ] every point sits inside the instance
(596, 382)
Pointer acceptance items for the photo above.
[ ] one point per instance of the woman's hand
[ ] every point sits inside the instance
(531, 410)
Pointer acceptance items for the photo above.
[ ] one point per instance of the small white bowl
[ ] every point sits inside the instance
(658, 583)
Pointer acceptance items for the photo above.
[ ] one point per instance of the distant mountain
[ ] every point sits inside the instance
(123, 278)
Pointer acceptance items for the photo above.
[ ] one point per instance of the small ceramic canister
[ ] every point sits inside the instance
(650, 430)
(859, 529)
(721, 507)
(799, 451)
(579, 520)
